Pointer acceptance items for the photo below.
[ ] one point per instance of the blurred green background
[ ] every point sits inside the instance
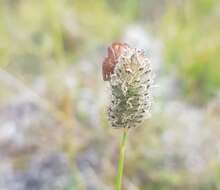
(54, 132)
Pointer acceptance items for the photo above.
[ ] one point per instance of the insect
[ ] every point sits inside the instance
(114, 52)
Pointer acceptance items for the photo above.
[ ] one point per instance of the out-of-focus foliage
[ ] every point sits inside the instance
(54, 132)
(192, 44)
(50, 27)
(104, 19)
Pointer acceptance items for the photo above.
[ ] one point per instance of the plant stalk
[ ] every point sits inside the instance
(121, 160)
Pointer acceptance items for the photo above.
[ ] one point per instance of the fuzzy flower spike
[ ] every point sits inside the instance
(129, 73)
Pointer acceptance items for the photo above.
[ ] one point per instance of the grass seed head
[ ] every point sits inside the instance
(129, 73)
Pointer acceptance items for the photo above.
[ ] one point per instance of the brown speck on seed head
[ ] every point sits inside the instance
(114, 52)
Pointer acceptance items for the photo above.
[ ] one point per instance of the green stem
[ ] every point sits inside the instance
(121, 160)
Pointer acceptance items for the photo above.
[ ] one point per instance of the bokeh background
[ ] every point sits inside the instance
(54, 132)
